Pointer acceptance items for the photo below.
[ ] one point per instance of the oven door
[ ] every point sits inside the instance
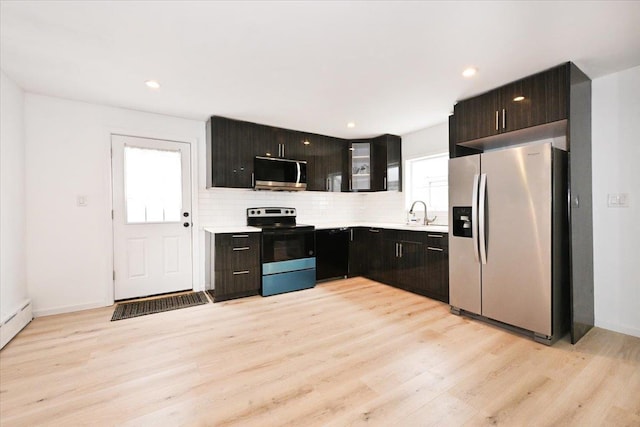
(287, 244)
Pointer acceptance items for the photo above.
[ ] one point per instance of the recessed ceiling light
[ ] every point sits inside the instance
(351, 125)
(152, 84)
(306, 142)
(518, 98)
(469, 72)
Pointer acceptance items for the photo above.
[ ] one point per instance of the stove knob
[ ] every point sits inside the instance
(258, 212)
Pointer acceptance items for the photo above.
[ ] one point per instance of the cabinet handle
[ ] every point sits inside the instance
(351, 234)
(400, 245)
(245, 248)
(373, 230)
(253, 180)
(328, 184)
(237, 273)
(497, 119)
(435, 249)
(439, 236)
(240, 236)
(384, 185)
(504, 113)
(350, 185)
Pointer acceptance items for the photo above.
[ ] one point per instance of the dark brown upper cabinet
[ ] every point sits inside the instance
(231, 148)
(324, 161)
(476, 117)
(233, 144)
(532, 101)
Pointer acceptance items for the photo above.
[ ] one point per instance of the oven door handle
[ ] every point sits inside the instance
(285, 232)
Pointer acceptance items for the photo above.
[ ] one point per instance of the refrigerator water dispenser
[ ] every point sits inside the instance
(462, 221)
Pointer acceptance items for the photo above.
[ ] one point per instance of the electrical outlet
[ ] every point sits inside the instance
(618, 200)
(81, 201)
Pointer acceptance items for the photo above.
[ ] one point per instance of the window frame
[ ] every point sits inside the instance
(410, 195)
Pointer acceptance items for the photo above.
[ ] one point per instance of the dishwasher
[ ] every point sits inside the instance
(332, 253)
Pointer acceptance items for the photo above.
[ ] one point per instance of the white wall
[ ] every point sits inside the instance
(426, 142)
(69, 248)
(13, 284)
(616, 231)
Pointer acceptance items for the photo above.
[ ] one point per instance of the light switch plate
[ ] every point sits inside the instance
(618, 200)
(81, 201)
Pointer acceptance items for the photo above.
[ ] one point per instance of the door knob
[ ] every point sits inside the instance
(186, 224)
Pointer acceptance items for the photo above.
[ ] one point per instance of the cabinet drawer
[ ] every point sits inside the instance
(237, 258)
(235, 240)
(231, 284)
(438, 240)
(236, 252)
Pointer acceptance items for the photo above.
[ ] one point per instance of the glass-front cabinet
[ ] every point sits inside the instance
(374, 165)
(360, 166)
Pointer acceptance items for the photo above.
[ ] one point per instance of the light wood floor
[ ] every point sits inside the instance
(349, 352)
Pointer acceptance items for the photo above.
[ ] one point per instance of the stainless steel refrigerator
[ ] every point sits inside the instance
(508, 239)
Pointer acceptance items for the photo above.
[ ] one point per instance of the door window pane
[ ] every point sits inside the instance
(152, 185)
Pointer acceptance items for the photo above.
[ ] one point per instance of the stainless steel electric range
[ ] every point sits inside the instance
(288, 250)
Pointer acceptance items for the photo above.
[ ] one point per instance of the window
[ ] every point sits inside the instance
(428, 181)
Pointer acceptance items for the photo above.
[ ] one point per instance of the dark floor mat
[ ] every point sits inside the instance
(127, 310)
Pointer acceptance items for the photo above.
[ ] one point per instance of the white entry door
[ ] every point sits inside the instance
(151, 216)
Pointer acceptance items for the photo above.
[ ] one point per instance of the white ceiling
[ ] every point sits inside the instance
(388, 66)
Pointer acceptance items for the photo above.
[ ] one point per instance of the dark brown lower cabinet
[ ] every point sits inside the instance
(237, 269)
(415, 261)
(437, 262)
(365, 256)
(357, 251)
(411, 269)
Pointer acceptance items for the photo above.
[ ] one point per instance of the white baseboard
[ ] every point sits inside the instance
(15, 322)
(618, 328)
(68, 309)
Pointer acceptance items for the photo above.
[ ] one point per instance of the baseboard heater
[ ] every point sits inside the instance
(15, 322)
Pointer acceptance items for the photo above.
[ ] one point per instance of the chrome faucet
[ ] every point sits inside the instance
(427, 221)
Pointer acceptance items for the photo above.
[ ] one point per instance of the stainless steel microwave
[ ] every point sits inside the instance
(273, 173)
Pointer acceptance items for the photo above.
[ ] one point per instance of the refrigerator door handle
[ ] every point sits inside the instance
(481, 218)
(474, 217)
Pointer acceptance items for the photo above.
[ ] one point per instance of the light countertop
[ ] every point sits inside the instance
(389, 225)
(324, 226)
(232, 229)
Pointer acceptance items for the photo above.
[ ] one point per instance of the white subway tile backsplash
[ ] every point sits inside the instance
(227, 206)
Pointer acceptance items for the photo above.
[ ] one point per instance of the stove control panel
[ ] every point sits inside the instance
(271, 212)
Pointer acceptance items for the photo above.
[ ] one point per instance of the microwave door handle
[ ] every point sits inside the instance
(299, 172)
